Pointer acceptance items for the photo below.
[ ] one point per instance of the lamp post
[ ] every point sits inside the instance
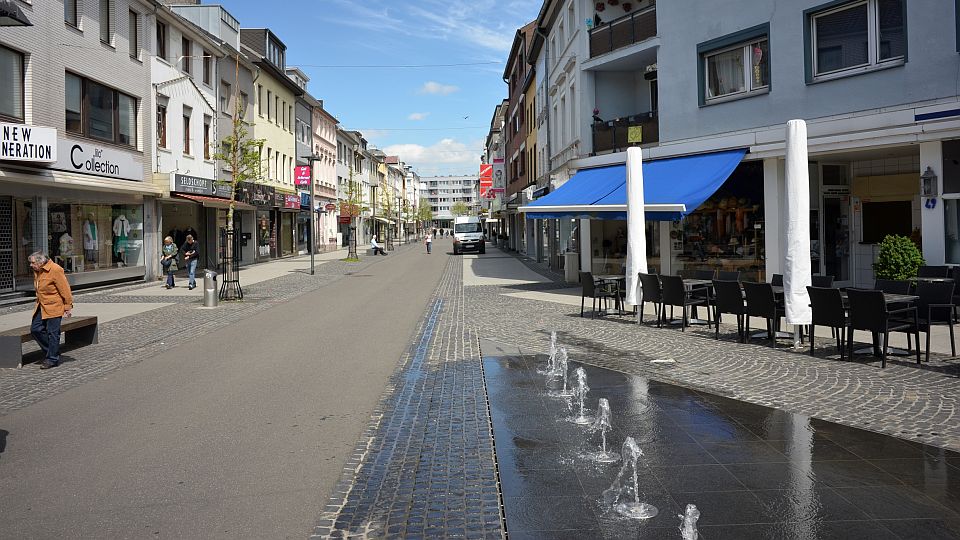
(312, 158)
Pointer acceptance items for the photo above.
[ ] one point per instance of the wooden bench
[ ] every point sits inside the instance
(77, 331)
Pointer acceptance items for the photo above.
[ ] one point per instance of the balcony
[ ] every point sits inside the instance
(625, 31)
(617, 135)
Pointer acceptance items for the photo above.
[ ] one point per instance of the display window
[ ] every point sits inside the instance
(608, 240)
(726, 232)
(80, 237)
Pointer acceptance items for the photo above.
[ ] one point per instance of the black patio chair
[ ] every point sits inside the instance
(777, 280)
(821, 281)
(955, 274)
(676, 295)
(868, 311)
(761, 302)
(599, 293)
(934, 271)
(935, 307)
(728, 276)
(652, 292)
(828, 310)
(728, 298)
(702, 291)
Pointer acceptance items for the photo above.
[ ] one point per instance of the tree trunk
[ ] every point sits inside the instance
(352, 250)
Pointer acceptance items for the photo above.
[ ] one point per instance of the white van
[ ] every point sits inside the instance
(468, 234)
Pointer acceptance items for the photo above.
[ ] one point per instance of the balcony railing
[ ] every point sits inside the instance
(627, 30)
(619, 134)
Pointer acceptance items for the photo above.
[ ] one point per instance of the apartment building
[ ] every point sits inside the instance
(75, 158)
(325, 179)
(276, 198)
(714, 88)
(443, 191)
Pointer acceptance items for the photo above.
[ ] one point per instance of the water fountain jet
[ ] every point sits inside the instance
(580, 390)
(612, 496)
(603, 423)
(688, 525)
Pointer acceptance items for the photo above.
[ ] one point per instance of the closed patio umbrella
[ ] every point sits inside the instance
(636, 236)
(796, 274)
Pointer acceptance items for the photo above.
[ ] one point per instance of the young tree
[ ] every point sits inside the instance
(388, 208)
(424, 214)
(352, 205)
(459, 208)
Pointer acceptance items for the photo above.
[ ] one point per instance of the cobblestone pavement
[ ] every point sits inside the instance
(901, 400)
(124, 341)
(425, 466)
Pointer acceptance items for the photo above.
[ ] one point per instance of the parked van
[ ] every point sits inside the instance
(468, 234)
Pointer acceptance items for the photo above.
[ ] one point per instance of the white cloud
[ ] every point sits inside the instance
(432, 87)
(447, 155)
(418, 116)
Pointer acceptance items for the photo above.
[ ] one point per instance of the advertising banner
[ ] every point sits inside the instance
(486, 179)
(301, 175)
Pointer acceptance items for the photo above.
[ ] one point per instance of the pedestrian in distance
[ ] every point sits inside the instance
(428, 241)
(191, 257)
(54, 302)
(168, 260)
(377, 248)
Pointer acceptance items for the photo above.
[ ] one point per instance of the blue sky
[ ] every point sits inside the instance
(435, 118)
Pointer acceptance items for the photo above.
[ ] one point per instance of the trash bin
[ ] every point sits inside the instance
(211, 297)
(571, 267)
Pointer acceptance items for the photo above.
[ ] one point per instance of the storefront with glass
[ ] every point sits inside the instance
(288, 210)
(263, 233)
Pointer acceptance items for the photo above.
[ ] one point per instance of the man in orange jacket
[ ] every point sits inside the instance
(54, 301)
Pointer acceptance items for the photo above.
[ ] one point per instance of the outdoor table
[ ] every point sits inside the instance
(615, 279)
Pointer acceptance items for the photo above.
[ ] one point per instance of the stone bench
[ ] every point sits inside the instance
(77, 331)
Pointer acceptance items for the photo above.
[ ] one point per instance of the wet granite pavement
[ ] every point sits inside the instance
(753, 471)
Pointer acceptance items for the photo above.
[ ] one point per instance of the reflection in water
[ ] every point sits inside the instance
(800, 451)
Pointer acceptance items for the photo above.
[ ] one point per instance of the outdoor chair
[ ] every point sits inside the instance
(761, 302)
(935, 307)
(892, 286)
(955, 274)
(728, 276)
(868, 311)
(676, 295)
(828, 310)
(728, 298)
(822, 281)
(598, 293)
(777, 280)
(652, 292)
(702, 291)
(934, 271)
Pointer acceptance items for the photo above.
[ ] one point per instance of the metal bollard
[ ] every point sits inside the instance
(211, 297)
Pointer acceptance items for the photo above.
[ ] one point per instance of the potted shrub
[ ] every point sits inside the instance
(898, 258)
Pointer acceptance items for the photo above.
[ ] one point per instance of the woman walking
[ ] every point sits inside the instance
(168, 259)
(428, 241)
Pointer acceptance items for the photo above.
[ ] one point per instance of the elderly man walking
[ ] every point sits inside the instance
(54, 301)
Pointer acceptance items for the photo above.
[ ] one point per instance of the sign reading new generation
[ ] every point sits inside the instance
(19, 142)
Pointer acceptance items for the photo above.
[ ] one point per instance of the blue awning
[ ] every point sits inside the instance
(672, 188)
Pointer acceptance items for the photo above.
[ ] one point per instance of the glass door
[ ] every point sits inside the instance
(836, 239)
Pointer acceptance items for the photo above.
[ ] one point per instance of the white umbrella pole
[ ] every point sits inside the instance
(796, 276)
(636, 236)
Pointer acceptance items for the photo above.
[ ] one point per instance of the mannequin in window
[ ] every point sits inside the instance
(66, 251)
(121, 231)
(90, 238)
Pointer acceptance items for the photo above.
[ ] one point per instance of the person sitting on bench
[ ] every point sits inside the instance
(377, 248)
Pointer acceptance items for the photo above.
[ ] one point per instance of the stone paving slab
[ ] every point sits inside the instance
(903, 400)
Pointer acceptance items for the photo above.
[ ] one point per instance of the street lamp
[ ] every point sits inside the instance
(312, 158)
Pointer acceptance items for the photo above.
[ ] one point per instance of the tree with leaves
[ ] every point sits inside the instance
(459, 208)
(424, 214)
(388, 209)
(352, 204)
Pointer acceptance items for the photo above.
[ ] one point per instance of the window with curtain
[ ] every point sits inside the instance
(126, 120)
(98, 111)
(11, 84)
(162, 125)
(74, 103)
(740, 69)
(857, 36)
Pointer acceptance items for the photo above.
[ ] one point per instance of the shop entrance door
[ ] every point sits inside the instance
(836, 239)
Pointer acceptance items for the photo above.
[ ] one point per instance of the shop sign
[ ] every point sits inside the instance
(257, 194)
(330, 207)
(486, 179)
(20, 142)
(343, 220)
(87, 157)
(499, 178)
(292, 201)
(836, 190)
(301, 175)
(195, 185)
(305, 199)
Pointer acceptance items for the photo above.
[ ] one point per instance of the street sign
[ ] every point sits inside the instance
(343, 220)
(330, 207)
(301, 175)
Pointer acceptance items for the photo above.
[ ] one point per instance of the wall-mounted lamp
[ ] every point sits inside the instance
(928, 184)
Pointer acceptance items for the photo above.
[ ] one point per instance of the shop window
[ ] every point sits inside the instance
(735, 66)
(883, 218)
(134, 35)
(162, 40)
(80, 237)
(11, 84)
(856, 37)
(98, 111)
